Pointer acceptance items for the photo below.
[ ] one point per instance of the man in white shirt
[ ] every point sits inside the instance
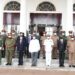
(48, 44)
(34, 47)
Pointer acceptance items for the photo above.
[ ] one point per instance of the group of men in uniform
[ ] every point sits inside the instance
(63, 46)
(59, 45)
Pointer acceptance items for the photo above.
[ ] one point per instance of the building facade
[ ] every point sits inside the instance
(23, 15)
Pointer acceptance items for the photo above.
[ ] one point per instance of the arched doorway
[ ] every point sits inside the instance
(11, 16)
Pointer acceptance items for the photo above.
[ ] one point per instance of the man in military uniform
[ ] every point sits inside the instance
(14, 36)
(69, 38)
(54, 38)
(71, 51)
(42, 44)
(3, 35)
(1, 47)
(48, 45)
(9, 43)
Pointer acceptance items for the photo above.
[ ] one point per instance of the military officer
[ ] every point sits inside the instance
(3, 35)
(9, 43)
(69, 39)
(54, 38)
(48, 43)
(71, 51)
(1, 47)
(14, 37)
(42, 44)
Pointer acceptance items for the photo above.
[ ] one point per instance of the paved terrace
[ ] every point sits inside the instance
(40, 69)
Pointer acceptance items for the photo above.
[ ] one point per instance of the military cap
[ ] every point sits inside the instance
(54, 31)
(72, 37)
(3, 30)
(62, 31)
(70, 31)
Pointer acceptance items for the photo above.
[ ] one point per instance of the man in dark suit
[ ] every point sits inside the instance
(61, 43)
(21, 44)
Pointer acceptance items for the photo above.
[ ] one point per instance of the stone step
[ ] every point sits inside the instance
(40, 63)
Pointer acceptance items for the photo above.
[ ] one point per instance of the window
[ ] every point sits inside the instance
(11, 19)
(13, 5)
(46, 6)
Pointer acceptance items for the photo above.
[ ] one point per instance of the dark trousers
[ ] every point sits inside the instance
(3, 52)
(61, 58)
(39, 54)
(0, 57)
(20, 57)
(27, 52)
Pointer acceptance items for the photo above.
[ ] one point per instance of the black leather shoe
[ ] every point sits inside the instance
(7, 64)
(70, 65)
(33, 65)
(10, 64)
(61, 66)
(73, 65)
(20, 64)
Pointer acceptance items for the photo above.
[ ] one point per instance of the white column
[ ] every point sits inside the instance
(69, 20)
(1, 15)
(28, 20)
(23, 16)
(63, 21)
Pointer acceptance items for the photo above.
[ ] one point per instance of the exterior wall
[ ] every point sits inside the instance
(60, 6)
(73, 1)
(31, 5)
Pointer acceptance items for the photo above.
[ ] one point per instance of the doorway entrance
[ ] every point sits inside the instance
(41, 29)
(39, 21)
